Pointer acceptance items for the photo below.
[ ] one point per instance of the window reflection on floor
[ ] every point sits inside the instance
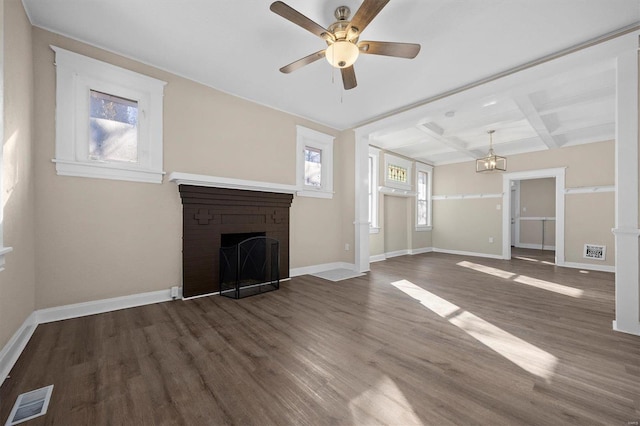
(525, 355)
(523, 279)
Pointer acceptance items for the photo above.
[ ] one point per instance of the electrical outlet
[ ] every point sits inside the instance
(175, 292)
(491, 239)
(346, 247)
(498, 206)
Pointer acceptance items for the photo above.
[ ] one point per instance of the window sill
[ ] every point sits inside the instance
(315, 193)
(106, 171)
(374, 230)
(423, 228)
(3, 251)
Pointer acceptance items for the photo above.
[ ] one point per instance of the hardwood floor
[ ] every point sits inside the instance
(456, 340)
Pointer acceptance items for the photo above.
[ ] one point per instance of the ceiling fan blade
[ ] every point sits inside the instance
(363, 17)
(290, 14)
(348, 77)
(399, 50)
(302, 62)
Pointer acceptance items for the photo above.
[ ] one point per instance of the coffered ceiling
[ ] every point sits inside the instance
(238, 47)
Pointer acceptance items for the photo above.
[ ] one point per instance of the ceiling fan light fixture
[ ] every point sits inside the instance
(342, 54)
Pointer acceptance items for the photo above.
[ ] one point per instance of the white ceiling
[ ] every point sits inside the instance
(238, 46)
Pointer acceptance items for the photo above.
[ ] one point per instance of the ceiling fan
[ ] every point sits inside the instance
(342, 37)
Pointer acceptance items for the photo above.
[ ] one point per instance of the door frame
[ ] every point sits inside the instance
(507, 178)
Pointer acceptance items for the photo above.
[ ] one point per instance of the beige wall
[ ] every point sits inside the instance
(101, 238)
(17, 281)
(537, 199)
(395, 223)
(467, 224)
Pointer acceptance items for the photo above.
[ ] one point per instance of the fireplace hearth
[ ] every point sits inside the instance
(210, 213)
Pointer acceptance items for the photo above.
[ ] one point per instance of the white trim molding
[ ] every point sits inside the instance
(559, 175)
(590, 189)
(627, 252)
(465, 196)
(397, 192)
(11, 352)
(76, 77)
(221, 182)
(590, 267)
(323, 267)
(308, 138)
(398, 253)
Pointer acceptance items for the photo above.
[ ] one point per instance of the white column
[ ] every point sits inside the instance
(626, 228)
(361, 222)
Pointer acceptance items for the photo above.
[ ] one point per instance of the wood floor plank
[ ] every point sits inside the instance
(509, 350)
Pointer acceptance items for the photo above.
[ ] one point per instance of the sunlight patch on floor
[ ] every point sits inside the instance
(534, 260)
(523, 279)
(522, 353)
(383, 403)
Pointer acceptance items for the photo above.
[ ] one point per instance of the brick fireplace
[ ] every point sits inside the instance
(211, 214)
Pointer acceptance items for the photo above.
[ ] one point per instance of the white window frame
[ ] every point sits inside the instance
(3, 250)
(402, 162)
(76, 75)
(374, 157)
(313, 139)
(425, 168)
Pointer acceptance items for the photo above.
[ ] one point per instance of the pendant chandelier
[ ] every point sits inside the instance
(491, 162)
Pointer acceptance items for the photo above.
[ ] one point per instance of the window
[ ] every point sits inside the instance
(108, 120)
(374, 164)
(312, 167)
(423, 197)
(397, 172)
(3, 250)
(314, 163)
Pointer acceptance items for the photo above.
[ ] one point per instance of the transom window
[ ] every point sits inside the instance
(396, 173)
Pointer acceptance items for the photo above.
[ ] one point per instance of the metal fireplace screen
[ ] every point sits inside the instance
(250, 267)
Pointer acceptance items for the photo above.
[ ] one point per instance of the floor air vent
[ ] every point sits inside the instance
(592, 251)
(30, 405)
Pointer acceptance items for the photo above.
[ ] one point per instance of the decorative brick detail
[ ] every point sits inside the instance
(203, 217)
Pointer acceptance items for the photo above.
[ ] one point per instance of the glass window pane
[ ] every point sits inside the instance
(313, 167)
(422, 186)
(113, 128)
(396, 173)
(422, 212)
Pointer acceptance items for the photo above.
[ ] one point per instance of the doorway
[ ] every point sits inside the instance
(543, 216)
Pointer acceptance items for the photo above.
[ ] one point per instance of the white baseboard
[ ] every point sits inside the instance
(589, 267)
(396, 253)
(634, 329)
(100, 306)
(14, 347)
(314, 269)
(467, 253)
(381, 257)
(534, 246)
(421, 250)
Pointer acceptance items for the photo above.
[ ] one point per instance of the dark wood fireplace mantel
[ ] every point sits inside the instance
(210, 212)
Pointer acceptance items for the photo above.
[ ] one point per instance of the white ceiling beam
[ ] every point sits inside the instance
(437, 132)
(532, 115)
(590, 96)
